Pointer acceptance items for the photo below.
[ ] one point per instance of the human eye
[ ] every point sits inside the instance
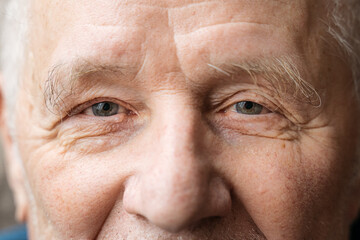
(249, 108)
(102, 108)
(105, 109)
(252, 114)
(103, 122)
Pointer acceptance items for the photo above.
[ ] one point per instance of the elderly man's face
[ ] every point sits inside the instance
(175, 119)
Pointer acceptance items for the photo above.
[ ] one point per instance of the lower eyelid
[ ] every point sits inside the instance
(93, 143)
(94, 134)
(89, 120)
(70, 134)
(267, 125)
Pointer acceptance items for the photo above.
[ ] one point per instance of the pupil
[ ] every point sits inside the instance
(249, 105)
(106, 107)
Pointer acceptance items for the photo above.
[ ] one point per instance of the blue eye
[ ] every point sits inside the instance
(105, 109)
(248, 107)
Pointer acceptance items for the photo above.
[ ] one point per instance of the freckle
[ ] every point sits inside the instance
(283, 146)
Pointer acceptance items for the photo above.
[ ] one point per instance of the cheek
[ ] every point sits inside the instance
(75, 192)
(279, 183)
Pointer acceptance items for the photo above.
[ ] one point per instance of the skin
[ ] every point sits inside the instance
(178, 161)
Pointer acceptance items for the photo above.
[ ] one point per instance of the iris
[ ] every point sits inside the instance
(105, 109)
(248, 107)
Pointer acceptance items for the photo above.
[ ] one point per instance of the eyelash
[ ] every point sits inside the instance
(79, 109)
(230, 103)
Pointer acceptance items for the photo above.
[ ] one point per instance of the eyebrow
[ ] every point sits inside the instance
(54, 90)
(280, 72)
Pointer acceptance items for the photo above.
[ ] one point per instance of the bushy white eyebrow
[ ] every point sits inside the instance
(54, 90)
(280, 72)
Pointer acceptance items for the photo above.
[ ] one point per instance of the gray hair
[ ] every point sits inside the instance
(343, 25)
(12, 51)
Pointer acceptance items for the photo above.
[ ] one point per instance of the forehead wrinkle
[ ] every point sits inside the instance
(165, 4)
(63, 77)
(280, 72)
(175, 4)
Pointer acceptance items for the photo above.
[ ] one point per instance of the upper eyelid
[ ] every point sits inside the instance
(232, 100)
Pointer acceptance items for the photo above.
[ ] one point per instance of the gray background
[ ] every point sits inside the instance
(6, 201)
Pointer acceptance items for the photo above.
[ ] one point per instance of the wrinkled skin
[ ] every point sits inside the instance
(177, 161)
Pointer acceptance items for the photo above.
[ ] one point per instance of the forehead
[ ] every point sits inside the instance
(52, 20)
(205, 12)
(187, 32)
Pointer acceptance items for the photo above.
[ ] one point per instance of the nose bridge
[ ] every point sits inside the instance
(176, 186)
(178, 161)
(171, 190)
(179, 131)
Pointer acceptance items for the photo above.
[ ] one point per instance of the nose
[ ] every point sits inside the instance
(179, 186)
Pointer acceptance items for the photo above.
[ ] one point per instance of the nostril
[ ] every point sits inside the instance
(140, 217)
